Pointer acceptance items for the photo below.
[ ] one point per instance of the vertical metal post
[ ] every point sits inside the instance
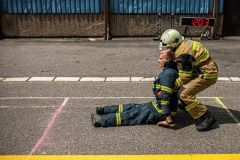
(172, 20)
(159, 24)
(1, 14)
(106, 20)
(215, 15)
(215, 8)
(159, 28)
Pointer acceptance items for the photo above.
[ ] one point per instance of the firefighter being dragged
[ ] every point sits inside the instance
(157, 112)
(197, 71)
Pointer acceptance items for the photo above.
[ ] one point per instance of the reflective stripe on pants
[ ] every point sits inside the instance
(188, 95)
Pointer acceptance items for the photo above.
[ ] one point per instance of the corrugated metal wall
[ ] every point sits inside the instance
(52, 6)
(116, 6)
(164, 6)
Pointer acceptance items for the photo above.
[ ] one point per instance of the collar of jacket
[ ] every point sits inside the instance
(170, 64)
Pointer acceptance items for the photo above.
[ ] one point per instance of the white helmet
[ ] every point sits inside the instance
(171, 38)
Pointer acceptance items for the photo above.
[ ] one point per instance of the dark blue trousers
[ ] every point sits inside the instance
(130, 114)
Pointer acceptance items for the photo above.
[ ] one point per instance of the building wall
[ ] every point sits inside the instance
(91, 25)
(85, 18)
(115, 6)
(163, 6)
(147, 25)
(51, 6)
(52, 25)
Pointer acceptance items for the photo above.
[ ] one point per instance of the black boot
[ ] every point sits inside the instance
(96, 120)
(205, 122)
(100, 110)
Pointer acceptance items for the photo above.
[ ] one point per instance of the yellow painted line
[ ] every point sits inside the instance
(225, 107)
(126, 157)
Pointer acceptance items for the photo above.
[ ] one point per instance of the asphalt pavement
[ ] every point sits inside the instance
(49, 87)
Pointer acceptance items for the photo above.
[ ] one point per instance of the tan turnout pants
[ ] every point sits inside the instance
(187, 95)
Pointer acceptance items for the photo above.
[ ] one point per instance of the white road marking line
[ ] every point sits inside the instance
(136, 79)
(12, 98)
(235, 78)
(225, 107)
(148, 79)
(67, 79)
(228, 82)
(14, 107)
(92, 79)
(17, 79)
(33, 79)
(97, 79)
(223, 79)
(118, 79)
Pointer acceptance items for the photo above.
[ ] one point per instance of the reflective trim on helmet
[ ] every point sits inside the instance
(182, 38)
(162, 46)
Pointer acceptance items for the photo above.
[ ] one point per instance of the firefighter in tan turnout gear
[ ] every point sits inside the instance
(197, 71)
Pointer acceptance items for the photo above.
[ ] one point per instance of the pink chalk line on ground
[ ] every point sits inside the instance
(49, 126)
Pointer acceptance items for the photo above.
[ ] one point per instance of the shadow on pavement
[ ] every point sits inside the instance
(183, 119)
